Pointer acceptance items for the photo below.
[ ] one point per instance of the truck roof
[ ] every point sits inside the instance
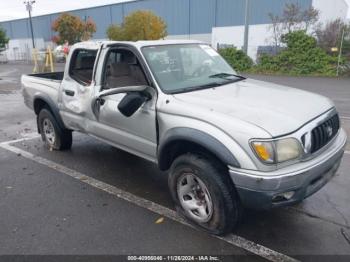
(137, 44)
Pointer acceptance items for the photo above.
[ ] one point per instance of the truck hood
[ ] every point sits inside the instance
(277, 109)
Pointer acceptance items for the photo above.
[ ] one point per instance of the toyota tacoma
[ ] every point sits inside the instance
(227, 142)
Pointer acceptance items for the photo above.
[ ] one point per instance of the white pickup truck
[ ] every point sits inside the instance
(227, 141)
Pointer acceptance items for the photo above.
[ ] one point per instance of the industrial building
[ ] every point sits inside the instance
(212, 21)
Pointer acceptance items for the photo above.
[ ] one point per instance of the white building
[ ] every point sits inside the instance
(262, 34)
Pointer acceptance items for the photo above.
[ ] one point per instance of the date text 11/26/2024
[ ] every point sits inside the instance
(173, 258)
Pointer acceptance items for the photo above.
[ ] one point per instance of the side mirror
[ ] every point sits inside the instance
(131, 103)
(99, 99)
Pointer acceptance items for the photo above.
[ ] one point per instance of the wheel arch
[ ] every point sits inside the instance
(178, 141)
(41, 101)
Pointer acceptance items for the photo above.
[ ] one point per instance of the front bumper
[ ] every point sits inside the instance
(258, 190)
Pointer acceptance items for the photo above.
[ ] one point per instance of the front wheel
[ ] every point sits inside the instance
(204, 194)
(52, 134)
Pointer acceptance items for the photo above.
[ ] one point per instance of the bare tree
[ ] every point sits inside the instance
(277, 30)
(295, 18)
(329, 36)
(309, 17)
(291, 17)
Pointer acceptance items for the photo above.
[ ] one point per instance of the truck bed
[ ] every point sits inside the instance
(52, 76)
(44, 84)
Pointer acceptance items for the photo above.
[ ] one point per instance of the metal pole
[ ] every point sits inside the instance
(31, 27)
(246, 26)
(340, 50)
(29, 6)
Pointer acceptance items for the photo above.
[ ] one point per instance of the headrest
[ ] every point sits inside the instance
(120, 69)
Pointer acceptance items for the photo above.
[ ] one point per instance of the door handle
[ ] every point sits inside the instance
(69, 92)
(96, 105)
(102, 101)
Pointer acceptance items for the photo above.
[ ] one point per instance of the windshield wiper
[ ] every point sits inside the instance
(226, 76)
(196, 88)
(223, 76)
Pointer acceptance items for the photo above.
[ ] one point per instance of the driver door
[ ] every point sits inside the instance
(137, 133)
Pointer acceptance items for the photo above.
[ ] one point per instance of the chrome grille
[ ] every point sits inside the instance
(325, 132)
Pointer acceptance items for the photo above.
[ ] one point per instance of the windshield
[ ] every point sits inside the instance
(188, 67)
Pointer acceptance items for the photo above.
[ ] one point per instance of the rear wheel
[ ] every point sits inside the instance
(52, 134)
(204, 194)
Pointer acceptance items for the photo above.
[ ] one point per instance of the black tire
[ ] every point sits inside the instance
(62, 137)
(226, 207)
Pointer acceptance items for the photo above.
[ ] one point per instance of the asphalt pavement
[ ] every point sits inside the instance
(99, 200)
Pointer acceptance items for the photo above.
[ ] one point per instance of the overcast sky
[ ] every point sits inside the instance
(12, 9)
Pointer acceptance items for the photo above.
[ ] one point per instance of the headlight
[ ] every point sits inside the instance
(287, 149)
(265, 151)
(277, 151)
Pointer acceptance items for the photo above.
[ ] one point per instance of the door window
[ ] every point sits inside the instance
(123, 69)
(82, 65)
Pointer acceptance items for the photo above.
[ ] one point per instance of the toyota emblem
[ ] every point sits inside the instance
(329, 130)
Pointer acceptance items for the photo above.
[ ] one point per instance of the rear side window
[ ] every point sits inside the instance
(82, 65)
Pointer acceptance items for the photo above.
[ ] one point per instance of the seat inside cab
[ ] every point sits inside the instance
(123, 69)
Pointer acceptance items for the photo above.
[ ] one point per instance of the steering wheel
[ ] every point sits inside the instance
(202, 70)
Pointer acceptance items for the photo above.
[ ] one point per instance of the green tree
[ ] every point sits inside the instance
(72, 29)
(139, 25)
(116, 32)
(236, 58)
(3, 39)
(302, 56)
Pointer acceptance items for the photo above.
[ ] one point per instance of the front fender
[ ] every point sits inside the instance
(197, 137)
